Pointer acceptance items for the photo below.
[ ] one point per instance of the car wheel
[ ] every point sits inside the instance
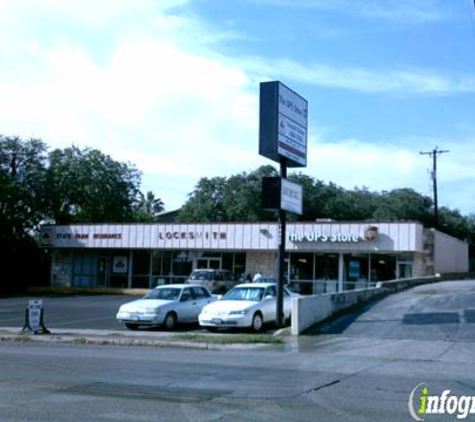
(132, 326)
(257, 322)
(212, 329)
(170, 321)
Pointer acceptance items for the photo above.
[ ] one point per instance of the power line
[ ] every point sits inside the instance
(436, 151)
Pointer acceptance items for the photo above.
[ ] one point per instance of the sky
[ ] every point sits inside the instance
(172, 86)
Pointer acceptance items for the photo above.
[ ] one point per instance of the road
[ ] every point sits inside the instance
(360, 368)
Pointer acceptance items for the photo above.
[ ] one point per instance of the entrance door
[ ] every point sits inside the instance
(101, 270)
(205, 263)
(404, 270)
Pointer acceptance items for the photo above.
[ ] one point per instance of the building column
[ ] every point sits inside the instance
(129, 275)
(341, 271)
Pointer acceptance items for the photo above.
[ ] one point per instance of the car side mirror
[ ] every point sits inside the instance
(269, 297)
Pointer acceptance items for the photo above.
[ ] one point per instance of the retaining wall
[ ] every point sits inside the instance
(310, 310)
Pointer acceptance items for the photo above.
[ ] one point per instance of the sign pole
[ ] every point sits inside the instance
(279, 318)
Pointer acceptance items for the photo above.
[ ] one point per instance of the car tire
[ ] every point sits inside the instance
(132, 326)
(212, 329)
(170, 322)
(257, 322)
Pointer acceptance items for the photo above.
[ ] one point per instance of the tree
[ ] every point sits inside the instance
(237, 198)
(242, 200)
(403, 204)
(205, 203)
(89, 186)
(22, 208)
(148, 207)
(22, 186)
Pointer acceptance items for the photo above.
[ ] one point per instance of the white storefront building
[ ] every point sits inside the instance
(320, 256)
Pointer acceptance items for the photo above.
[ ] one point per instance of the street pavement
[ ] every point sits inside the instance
(361, 367)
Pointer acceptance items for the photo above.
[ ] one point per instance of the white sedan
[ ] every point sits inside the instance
(245, 305)
(166, 305)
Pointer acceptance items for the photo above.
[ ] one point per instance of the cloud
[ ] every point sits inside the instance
(161, 97)
(401, 81)
(396, 11)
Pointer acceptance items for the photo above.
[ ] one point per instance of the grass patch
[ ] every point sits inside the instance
(228, 338)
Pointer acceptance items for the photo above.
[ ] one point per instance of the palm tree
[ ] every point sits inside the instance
(150, 206)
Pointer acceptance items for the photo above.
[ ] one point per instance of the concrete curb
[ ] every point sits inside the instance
(118, 338)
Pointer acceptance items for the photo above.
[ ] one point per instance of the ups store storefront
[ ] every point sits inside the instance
(321, 257)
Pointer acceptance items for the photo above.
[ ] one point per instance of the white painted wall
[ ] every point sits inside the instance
(393, 237)
(450, 254)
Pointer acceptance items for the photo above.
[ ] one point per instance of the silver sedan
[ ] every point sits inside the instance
(166, 305)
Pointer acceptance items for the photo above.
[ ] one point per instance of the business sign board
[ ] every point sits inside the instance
(291, 197)
(283, 117)
(279, 193)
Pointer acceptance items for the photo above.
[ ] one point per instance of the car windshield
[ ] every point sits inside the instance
(201, 275)
(164, 293)
(244, 293)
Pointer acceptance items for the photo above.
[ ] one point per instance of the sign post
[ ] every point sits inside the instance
(283, 117)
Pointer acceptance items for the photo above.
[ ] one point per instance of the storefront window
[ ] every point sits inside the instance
(383, 267)
(356, 267)
(119, 270)
(141, 270)
(182, 267)
(301, 272)
(84, 269)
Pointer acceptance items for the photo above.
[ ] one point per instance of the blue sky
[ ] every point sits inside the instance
(173, 86)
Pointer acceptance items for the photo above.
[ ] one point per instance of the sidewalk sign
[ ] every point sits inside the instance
(34, 318)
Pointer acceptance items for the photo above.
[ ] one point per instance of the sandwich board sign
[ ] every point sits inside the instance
(34, 314)
(34, 318)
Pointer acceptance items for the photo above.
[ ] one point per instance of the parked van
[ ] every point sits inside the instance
(216, 281)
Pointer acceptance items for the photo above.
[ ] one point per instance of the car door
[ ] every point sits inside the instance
(187, 306)
(202, 298)
(269, 303)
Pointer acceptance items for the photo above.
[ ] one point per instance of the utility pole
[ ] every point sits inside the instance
(434, 154)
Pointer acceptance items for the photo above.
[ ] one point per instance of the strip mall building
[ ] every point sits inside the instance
(321, 256)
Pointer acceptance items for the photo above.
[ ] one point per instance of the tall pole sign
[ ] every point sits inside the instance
(283, 124)
(283, 119)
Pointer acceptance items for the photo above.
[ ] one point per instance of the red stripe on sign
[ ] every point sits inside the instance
(292, 150)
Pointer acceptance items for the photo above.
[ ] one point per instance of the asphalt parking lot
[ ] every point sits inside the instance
(75, 311)
(67, 311)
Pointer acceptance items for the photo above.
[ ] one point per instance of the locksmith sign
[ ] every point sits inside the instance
(283, 118)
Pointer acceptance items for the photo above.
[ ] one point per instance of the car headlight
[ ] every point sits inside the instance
(242, 312)
(154, 310)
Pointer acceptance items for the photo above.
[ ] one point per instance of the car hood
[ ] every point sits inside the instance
(141, 304)
(229, 305)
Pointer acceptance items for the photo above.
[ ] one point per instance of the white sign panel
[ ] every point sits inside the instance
(292, 125)
(34, 314)
(291, 197)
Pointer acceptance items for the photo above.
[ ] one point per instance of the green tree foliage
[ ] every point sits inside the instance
(237, 198)
(205, 203)
(89, 186)
(148, 207)
(22, 186)
(404, 204)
